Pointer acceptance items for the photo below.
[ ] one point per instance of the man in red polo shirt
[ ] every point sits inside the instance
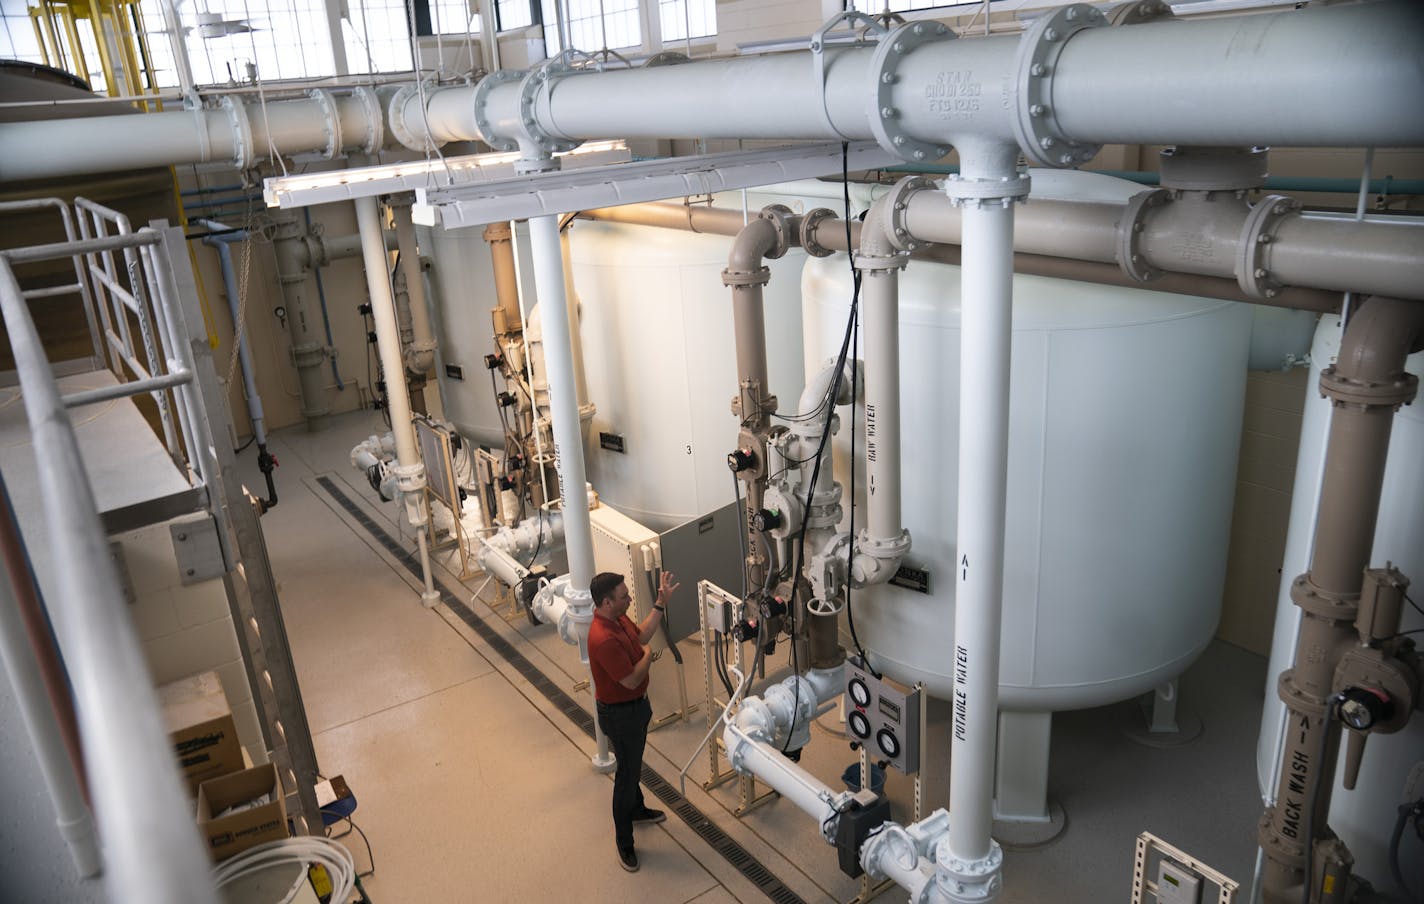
(619, 659)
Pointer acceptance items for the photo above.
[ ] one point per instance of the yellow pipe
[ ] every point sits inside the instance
(72, 30)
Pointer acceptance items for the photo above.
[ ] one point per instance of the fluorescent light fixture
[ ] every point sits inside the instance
(558, 192)
(368, 181)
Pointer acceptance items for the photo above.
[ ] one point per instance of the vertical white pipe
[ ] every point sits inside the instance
(984, 339)
(383, 312)
(564, 418)
(423, 339)
(882, 402)
(76, 826)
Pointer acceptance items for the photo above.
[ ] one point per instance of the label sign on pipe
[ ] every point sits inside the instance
(961, 699)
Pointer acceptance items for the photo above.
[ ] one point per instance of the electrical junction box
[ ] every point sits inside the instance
(884, 715)
(1177, 885)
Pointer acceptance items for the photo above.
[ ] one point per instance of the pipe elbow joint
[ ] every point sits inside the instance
(420, 356)
(878, 558)
(757, 240)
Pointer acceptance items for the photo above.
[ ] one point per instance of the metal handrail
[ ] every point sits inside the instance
(152, 851)
(79, 285)
(135, 300)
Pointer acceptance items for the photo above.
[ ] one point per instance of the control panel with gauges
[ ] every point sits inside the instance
(883, 715)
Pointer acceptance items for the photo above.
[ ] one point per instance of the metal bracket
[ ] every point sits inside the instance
(1257, 233)
(243, 150)
(874, 31)
(884, 117)
(1035, 125)
(1129, 233)
(196, 546)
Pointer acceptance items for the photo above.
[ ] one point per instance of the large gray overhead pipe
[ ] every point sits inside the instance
(1236, 80)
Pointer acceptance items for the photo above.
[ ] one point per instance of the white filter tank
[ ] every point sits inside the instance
(1363, 818)
(1125, 421)
(662, 367)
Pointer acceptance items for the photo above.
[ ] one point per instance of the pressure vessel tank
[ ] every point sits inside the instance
(1364, 818)
(1125, 419)
(660, 358)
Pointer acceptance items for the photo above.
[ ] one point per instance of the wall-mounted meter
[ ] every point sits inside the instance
(884, 716)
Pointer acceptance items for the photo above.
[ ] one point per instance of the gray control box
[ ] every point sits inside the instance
(884, 715)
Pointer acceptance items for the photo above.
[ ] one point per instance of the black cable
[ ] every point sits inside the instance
(1415, 809)
(243, 448)
(855, 393)
(1412, 603)
(741, 533)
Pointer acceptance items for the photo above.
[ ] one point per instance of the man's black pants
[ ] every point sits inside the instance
(626, 727)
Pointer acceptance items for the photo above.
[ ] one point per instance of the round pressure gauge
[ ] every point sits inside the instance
(859, 693)
(887, 742)
(858, 723)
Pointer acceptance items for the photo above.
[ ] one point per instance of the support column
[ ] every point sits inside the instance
(410, 472)
(568, 444)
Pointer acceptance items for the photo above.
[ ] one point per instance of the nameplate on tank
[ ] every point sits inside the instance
(912, 578)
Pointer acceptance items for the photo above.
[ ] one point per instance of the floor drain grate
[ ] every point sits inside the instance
(754, 870)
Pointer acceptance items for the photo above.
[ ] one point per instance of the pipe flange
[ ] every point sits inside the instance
(375, 122)
(779, 216)
(1341, 607)
(409, 478)
(1035, 123)
(200, 126)
(242, 149)
(1213, 169)
(535, 92)
(874, 263)
(1140, 12)
(1257, 233)
(963, 881)
(885, 119)
(810, 222)
(871, 32)
(415, 136)
(962, 191)
(883, 547)
(1368, 393)
(1129, 233)
(331, 121)
(1284, 850)
(758, 277)
(481, 114)
(897, 203)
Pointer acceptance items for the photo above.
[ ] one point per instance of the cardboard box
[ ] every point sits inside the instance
(235, 833)
(200, 723)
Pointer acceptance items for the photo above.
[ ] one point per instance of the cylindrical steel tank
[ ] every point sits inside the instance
(660, 358)
(1125, 418)
(1363, 818)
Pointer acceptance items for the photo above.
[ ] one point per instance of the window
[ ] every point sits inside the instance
(377, 36)
(513, 13)
(683, 19)
(282, 38)
(17, 37)
(875, 7)
(453, 17)
(593, 24)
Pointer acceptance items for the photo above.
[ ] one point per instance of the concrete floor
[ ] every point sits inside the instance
(473, 786)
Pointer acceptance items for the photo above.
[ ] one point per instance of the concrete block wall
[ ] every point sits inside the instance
(187, 629)
(1265, 474)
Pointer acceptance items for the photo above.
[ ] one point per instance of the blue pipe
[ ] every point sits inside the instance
(222, 202)
(221, 240)
(212, 190)
(325, 320)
